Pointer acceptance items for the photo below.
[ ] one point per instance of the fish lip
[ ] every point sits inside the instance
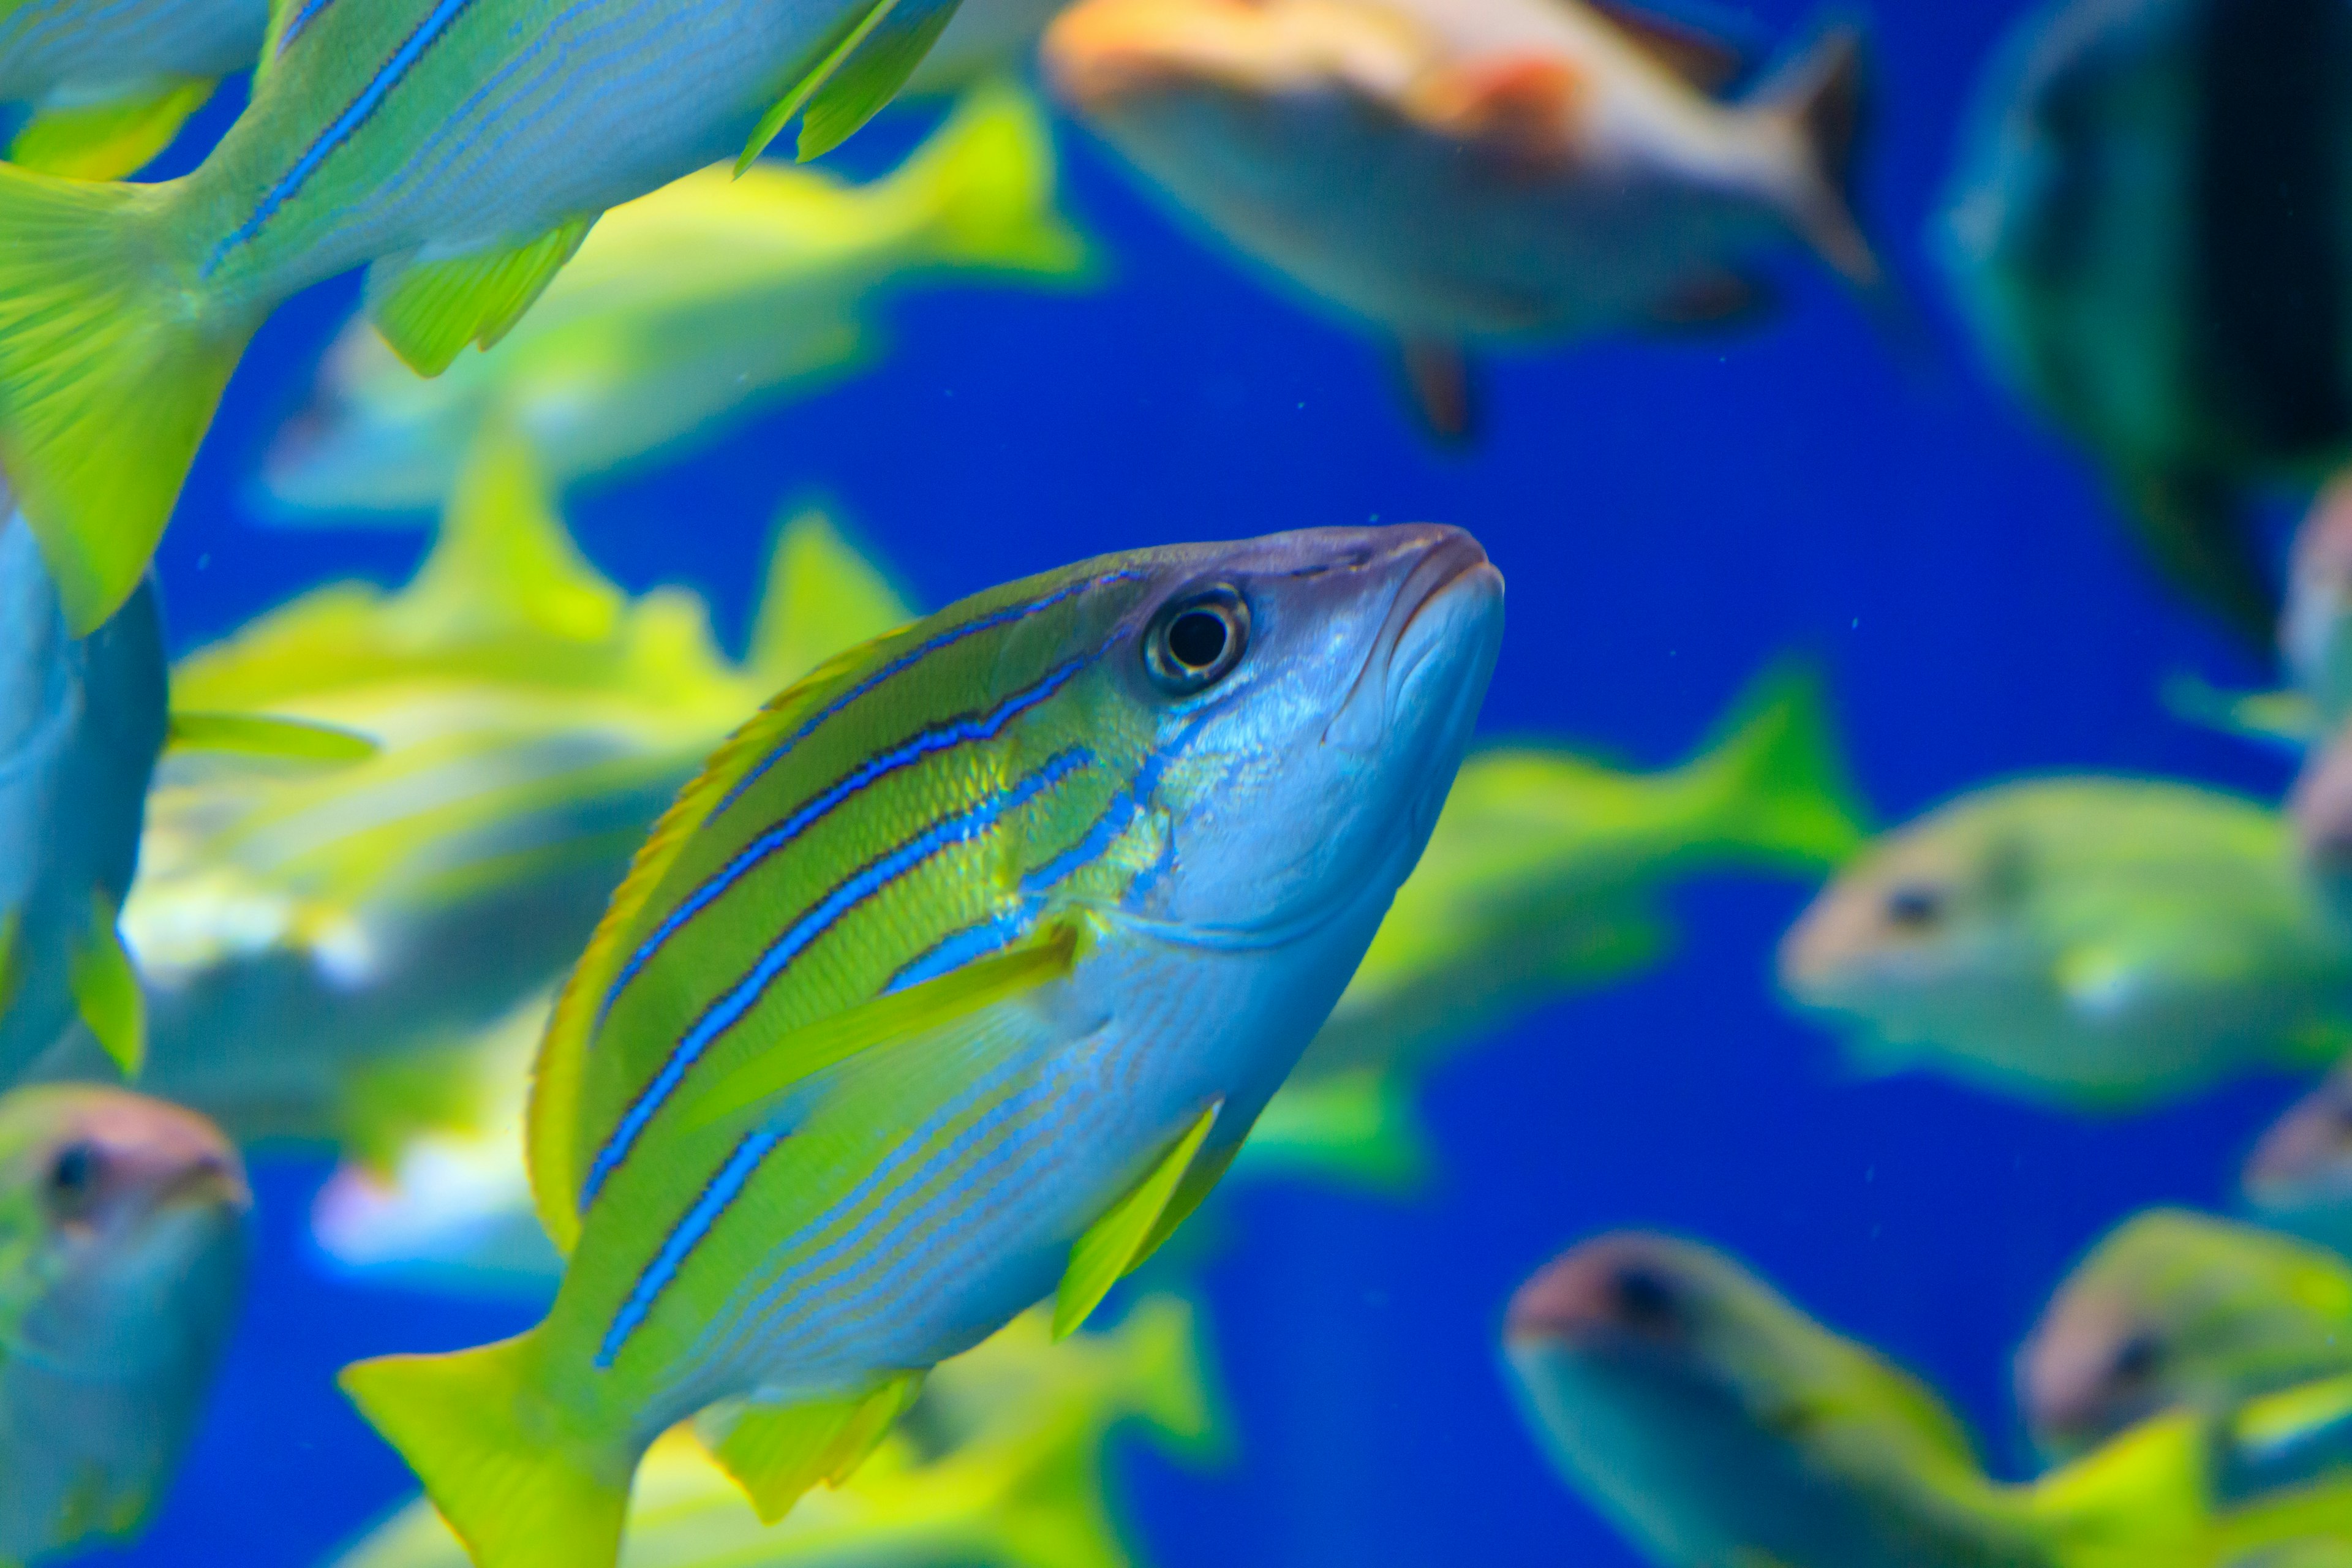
(1451, 561)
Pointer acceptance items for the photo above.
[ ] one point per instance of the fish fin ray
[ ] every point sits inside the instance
(518, 1490)
(105, 986)
(1126, 1233)
(871, 74)
(265, 735)
(776, 1452)
(108, 140)
(108, 381)
(429, 311)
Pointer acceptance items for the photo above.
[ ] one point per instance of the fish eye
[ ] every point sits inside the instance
(1644, 1299)
(1196, 639)
(73, 1175)
(2138, 1358)
(1914, 905)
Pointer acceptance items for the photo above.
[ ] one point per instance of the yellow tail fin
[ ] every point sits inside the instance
(516, 1483)
(110, 371)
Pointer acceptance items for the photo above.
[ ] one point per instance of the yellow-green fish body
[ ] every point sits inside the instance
(2102, 941)
(963, 969)
(686, 309)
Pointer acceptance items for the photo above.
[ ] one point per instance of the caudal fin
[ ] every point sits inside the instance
(1821, 94)
(519, 1487)
(109, 377)
(1779, 787)
(986, 181)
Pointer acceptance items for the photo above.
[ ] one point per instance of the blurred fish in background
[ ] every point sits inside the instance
(1546, 874)
(319, 948)
(2173, 1308)
(2298, 1177)
(999, 1464)
(95, 89)
(2148, 232)
(2099, 943)
(81, 723)
(686, 311)
(1458, 173)
(1718, 1427)
(121, 1269)
(984, 38)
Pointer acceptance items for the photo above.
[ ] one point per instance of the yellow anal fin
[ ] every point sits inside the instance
(867, 62)
(895, 1015)
(108, 140)
(106, 989)
(428, 311)
(776, 1452)
(1127, 1232)
(260, 735)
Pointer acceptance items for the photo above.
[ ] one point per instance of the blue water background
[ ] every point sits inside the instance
(1670, 516)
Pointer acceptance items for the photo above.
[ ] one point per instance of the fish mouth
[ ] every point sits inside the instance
(1452, 573)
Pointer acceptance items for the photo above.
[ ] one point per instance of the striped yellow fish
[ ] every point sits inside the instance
(963, 969)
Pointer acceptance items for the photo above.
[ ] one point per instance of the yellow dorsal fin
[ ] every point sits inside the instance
(823, 595)
(108, 140)
(106, 988)
(260, 735)
(429, 311)
(552, 1132)
(1127, 1232)
(776, 1452)
(503, 560)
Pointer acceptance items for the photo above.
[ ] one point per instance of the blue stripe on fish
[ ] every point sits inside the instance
(957, 949)
(679, 1244)
(869, 880)
(301, 19)
(1117, 816)
(370, 99)
(958, 732)
(907, 661)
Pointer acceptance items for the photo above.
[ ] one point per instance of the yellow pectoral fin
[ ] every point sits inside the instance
(107, 140)
(1126, 1235)
(895, 1016)
(866, 63)
(260, 735)
(106, 989)
(776, 1452)
(428, 311)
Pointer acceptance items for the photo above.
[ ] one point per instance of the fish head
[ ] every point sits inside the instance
(2320, 807)
(122, 1228)
(1708, 1415)
(1308, 697)
(2299, 1177)
(1925, 927)
(2315, 622)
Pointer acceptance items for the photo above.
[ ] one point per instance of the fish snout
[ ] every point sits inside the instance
(2320, 807)
(126, 1156)
(2083, 1371)
(1614, 1287)
(2313, 1138)
(1447, 607)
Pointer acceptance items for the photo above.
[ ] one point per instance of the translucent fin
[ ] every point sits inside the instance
(1781, 788)
(1127, 1232)
(108, 140)
(504, 560)
(895, 1015)
(824, 595)
(871, 57)
(872, 74)
(106, 989)
(428, 311)
(987, 178)
(111, 367)
(1357, 1127)
(776, 1452)
(260, 735)
(519, 1489)
(1160, 1344)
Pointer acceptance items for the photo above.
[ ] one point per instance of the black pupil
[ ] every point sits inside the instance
(1646, 1301)
(1197, 638)
(76, 1168)
(2138, 1358)
(1914, 905)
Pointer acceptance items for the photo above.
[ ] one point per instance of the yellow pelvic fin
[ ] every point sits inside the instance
(866, 62)
(428, 311)
(776, 1452)
(518, 1488)
(108, 140)
(106, 988)
(260, 735)
(1126, 1235)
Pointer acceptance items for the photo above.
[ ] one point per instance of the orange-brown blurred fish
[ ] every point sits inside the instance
(1461, 172)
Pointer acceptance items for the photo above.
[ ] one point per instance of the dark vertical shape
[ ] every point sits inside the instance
(2268, 314)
